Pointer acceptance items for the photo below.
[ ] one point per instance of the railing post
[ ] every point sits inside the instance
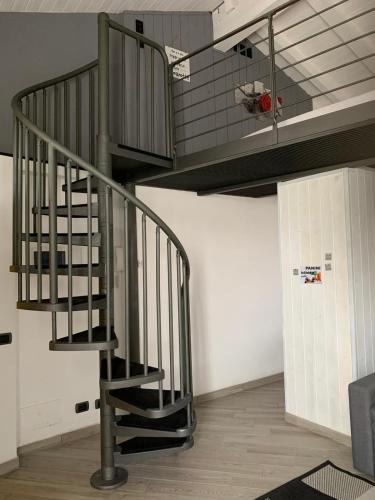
(108, 476)
(271, 45)
(169, 112)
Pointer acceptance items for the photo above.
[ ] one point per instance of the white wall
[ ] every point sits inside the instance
(232, 245)
(328, 328)
(236, 310)
(48, 383)
(8, 323)
(316, 318)
(361, 193)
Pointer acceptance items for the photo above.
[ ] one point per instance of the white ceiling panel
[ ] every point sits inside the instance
(112, 6)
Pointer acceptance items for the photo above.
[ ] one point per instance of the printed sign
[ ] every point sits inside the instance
(311, 275)
(181, 70)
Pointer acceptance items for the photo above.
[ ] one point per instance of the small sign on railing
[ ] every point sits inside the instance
(182, 70)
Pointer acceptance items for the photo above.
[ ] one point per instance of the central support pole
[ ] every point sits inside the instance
(108, 476)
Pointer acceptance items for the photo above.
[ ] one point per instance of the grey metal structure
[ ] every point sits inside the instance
(67, 195)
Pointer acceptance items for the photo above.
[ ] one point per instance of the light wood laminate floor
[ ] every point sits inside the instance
(243, 448)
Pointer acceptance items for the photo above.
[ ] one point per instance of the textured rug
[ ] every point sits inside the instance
(324, 482)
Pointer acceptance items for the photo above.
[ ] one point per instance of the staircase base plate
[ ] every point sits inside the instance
(120, 478)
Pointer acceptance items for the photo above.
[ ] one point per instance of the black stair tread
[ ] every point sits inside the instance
(129, 162)
(148, 444)
(33, 237)
(80, 186)
(118, 368)
(99, 334)
(78, 210)
(62, 270)
(79, 303)
(171, 423)
(79, 299)
(143, 398)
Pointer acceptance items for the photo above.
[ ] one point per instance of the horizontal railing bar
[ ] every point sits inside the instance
(284, 107)
(330, 7)
(207, 115)
(317, 54)
(232, 54)
(255, 21)
(325, 51)
(292, 65)
(213, 80)
(222, 126)
(344, 65)
(265, 39)
(342, 87)
(325, 30)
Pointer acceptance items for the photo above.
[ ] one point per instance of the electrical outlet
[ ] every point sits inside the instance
(97, 404)
(82, 406)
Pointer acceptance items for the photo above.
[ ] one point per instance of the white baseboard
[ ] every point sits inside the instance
(246, 386)
(319, 429)
(9, 466)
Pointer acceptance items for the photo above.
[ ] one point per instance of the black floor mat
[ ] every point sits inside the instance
(324, 482)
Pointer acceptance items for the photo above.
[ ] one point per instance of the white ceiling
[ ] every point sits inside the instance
(112, 6)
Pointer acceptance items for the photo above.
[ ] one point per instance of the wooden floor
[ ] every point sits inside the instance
(243, 448)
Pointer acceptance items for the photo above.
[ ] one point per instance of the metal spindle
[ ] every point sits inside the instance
(187, 337)
(91, 117)
(145, 298)
(152, 110)
(66, 129)
(35, 121)
(78, 121)
(39, 193)
(52, 192)
(68, 170)
(56, 114)
(27, 214)
(15, 191)
(180, 326)
(108, 262)
(271, 43)
(108, 279)
(44, 170)
(158, 315)
(138, 93)
(89, 256)
(170, 307)
(123, 88)
(19, 209)
(127, 288)
(66, 115)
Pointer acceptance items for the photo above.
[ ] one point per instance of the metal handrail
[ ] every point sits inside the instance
(18, 113)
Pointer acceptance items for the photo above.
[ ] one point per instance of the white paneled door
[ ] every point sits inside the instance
(8, 324)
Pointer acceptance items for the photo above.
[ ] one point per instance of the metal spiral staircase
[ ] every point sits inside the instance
(72, 220)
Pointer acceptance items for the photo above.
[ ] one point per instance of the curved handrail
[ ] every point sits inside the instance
(53, 81)
(32, 127)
